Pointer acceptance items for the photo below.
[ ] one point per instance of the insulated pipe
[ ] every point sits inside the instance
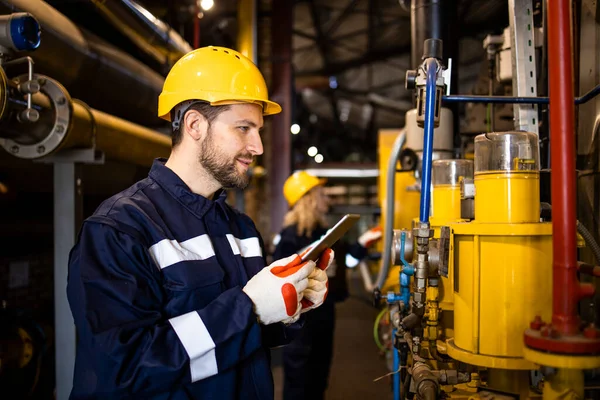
(71, 124)
(430, 94)
(120, 139)
(161, 44)
(92, 70)
(566, 287)
(388, 227)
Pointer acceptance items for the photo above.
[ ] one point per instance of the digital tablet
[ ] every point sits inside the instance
(332, 236)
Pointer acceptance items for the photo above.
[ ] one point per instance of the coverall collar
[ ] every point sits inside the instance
(177, 188)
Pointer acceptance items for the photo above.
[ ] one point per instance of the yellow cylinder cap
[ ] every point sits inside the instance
(217, 75)
(298, 184)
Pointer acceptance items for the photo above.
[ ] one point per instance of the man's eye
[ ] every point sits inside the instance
(244, 128)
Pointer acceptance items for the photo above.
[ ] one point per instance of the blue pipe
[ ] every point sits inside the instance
(430, 95)
(494, 99)
(407, 271)
(515, 100)
(396, 367)
(588, 96)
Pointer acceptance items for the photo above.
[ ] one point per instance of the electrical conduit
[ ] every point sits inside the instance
(388, 226)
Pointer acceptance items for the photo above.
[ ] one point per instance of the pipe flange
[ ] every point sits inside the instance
(61, 106)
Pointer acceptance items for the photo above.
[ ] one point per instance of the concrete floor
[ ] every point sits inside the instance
(356, 361)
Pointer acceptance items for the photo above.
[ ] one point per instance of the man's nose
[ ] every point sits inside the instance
(255, 146)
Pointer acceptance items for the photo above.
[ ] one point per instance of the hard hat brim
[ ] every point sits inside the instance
(269, 107)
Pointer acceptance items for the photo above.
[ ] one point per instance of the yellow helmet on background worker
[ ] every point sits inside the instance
(298, 184)
(217, 75)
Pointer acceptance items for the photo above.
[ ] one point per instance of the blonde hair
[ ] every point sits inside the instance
(305, 214)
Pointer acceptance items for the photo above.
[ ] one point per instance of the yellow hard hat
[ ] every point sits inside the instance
(218, 76)
(298, 184)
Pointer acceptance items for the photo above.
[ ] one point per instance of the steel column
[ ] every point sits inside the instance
(67, 218)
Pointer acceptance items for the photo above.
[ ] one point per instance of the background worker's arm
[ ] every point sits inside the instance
(367, 239)
(116, 295)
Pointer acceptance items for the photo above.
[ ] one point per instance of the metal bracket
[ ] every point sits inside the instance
(28, 87)
(447, 76)
(524, 77)
(83, 156)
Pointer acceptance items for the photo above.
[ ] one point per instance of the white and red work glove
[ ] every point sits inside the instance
(276, 290)
(318, 283)
(368, 238)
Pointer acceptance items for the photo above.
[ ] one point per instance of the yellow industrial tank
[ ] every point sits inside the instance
(445, 209)
(502, 260)
(446, 178)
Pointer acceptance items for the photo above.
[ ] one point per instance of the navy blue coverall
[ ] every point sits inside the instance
(307, 359)
(155, 288)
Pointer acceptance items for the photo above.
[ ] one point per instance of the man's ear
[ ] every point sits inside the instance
(194, 125)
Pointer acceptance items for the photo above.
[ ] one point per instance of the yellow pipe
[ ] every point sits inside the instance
(509, 381)
(566, 384)
(117, 138)
(246, 40)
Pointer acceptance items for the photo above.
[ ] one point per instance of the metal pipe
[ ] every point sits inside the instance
(426, 382)
(388, 226)
(246, 40)
(120, 139)
(430, 93)
(160, 45)
(82, 127)
(426, 19)
(396, 368)
(566, 288)
(459, 98)
(100, 74)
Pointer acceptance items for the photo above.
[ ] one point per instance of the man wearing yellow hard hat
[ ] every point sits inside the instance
(307, 359)
(168, 285)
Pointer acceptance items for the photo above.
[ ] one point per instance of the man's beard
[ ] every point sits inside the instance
(222, 170)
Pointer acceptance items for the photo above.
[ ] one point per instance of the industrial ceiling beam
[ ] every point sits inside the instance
(343, 16)
(350, 35)
(369, 57)
(324, 49)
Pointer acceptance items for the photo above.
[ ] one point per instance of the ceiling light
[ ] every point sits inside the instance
(312, 151)
(295, 129)
(207, 4)
(319, 158)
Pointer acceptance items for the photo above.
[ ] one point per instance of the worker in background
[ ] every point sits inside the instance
(307, 359)
(167, 283)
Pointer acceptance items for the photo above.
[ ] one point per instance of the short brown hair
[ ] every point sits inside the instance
(210, 113)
